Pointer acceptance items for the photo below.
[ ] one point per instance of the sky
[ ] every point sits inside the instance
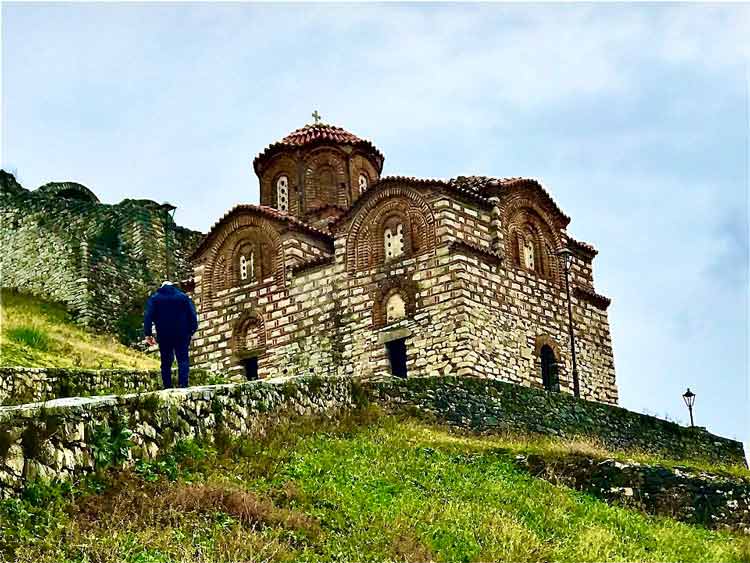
(634, 117)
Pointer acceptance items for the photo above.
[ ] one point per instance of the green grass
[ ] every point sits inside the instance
(366, 488)
(37, 333)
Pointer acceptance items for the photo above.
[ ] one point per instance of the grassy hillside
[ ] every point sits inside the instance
(363, 489)
(36, 333)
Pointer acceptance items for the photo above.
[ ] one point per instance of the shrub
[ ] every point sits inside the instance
(360, 397)
(111, 443)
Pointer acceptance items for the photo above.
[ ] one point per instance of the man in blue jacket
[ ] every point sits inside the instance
(173, 313)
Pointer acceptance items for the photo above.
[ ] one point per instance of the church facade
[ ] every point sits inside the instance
(340, 271)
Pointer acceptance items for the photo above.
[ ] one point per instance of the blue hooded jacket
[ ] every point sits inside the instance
(172, 312)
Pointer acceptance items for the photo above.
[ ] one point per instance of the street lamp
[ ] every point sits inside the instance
(566, 255)
(689, 397)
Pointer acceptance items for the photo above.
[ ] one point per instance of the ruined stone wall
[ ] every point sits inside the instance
(706, 498)
(490, 405)
(101, 261)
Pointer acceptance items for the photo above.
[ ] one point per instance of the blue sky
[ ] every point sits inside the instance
(635, 117)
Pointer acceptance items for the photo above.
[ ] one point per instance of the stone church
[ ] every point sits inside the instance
(342, 271)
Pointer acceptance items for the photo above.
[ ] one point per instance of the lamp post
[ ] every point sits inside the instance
(567, 258)
(689, 398)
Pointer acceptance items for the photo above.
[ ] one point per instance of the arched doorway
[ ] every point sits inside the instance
(550, 378)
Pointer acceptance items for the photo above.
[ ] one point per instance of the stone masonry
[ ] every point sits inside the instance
(58, 439)
(101, 261)
(340, 271)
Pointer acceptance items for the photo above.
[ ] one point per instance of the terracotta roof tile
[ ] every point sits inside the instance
(311, 133)
(265, 210)
(583, 247)
(588, 294)
(318, 133)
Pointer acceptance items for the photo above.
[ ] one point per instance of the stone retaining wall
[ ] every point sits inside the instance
(28, 385)
(697, 497)
(62, 438)
(484, 404)
(66, 438)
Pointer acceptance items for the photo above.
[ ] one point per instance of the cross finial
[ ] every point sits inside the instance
(316, 116)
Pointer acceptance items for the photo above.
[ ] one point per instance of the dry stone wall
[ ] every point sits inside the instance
(714, 500)
(29, 385)
(59, 439)
(101, 261)
(487, 405)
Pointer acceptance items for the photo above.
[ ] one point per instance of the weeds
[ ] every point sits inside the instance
(30, 336)
(111, 443)
(364, 487)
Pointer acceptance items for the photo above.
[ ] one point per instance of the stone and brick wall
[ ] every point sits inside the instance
(468, 308)
(101, 261)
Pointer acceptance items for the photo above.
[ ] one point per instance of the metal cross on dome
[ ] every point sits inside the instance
(316, 116)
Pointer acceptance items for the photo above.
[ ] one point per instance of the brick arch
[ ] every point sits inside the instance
(260, 243)
(540, 342)
(404, 286)
(250, 323)
(318, 162)
(364, 247)
(282, 164)
(546, 340)
(526, 219)
(361, 164)
(232, 233)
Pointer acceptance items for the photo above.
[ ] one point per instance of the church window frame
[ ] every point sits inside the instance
(394, 241)
(282, 193)
(363, 182)
(246, 265)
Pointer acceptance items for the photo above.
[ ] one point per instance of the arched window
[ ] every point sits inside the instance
(393, 240)
(282, 193)
(363, 182)
(550, 378)
(245, 263)
(247, 266)
(395, 308)
(249, 337)
(529, 258)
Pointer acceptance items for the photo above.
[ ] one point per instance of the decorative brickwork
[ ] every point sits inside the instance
(465, 272)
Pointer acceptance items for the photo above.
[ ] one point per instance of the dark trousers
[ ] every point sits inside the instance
(168, 349)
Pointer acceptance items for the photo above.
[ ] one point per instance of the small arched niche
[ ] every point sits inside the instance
(395, 308)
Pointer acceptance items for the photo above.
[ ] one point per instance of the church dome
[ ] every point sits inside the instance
(316, 172)
(313, 135)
